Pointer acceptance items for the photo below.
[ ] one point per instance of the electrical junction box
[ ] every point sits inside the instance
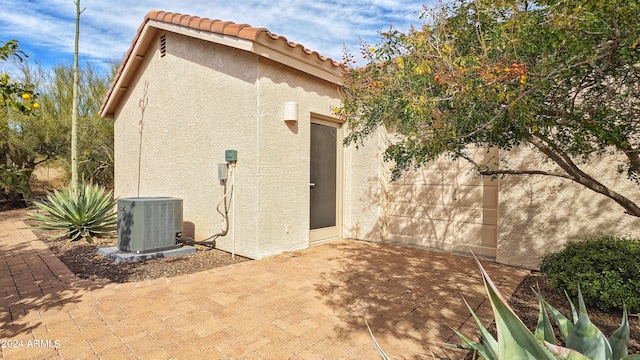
(222, 171)
(230, 155)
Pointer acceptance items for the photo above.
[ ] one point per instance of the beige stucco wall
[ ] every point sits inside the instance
(283, 170)
(540, 214)
(365, 189)
(183, 110)
(445, 205)
(515, 219)
(178, 117)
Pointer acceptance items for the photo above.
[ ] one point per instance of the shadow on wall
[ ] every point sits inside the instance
(374, 197)
(539, 214)
(36, 285)
(189, 229)
(410, 297)
(417, 211)
(442, 205)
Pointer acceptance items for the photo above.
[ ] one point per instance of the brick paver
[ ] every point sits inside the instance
(305, 305)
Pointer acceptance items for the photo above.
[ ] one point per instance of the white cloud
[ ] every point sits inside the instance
(107, 27)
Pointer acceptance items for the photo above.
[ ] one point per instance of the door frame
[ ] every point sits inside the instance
(320, 236)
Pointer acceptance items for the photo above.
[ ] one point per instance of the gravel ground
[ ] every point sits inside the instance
(83, 260)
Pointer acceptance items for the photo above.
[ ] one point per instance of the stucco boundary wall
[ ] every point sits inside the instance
(513, 219)
(540, 214)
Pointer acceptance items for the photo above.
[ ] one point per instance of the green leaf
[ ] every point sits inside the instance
(88, 215)
(564, 353)
(489, 341)
(574, 313)
(488, 350)
(620, 338)
(544, 330)
(586, 338)
(471, 345)
(564, 324)
(515, 341)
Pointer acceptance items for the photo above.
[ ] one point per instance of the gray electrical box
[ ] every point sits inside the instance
(230, 155)
(222, 171)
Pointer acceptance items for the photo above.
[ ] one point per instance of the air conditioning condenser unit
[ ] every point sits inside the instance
(149, 224)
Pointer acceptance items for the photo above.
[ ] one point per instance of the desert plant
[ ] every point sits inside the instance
(14, 184)
(514, 341)
(605, 270)
(88, 215)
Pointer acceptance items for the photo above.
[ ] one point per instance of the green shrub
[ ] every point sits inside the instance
(606, 270)
(14, 184)
(88, 215)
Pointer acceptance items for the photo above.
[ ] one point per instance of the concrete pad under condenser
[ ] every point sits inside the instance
(116, 255)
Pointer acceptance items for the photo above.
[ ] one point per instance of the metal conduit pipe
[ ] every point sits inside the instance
(210, 241)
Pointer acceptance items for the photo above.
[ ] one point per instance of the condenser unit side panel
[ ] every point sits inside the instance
(159, 225)
(148, 224)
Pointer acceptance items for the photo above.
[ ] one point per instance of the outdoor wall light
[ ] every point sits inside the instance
(290, 112)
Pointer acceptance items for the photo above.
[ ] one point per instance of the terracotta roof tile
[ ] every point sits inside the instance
(234, 29)
(186, 20)
(205, 24)
(227, 28)
(243, 31)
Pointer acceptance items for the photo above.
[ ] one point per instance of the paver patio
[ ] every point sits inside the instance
(306, 305)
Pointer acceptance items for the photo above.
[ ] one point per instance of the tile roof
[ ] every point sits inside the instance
(243, 31)
(226, 28)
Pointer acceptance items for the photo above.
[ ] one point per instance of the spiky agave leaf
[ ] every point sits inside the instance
(472, 345)
(60, 213)
(620, 338)
(564, 324)
(488, 350)
(489, 341)
(564, 353)
(544, 330)
(91, 213)
(586, 338)
(515, 341)
(381, 352)
(574, 313)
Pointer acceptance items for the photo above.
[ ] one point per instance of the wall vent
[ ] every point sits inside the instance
(148, 224)
(163, 45)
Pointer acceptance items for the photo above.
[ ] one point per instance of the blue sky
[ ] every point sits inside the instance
(45, 28)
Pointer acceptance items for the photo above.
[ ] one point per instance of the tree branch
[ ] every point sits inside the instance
(580, 177)
(631, 154)
(523, 172)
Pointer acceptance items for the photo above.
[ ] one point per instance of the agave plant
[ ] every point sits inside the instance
(89, 215)
(583, 340)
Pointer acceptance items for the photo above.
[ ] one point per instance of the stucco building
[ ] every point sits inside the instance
(191, 88)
